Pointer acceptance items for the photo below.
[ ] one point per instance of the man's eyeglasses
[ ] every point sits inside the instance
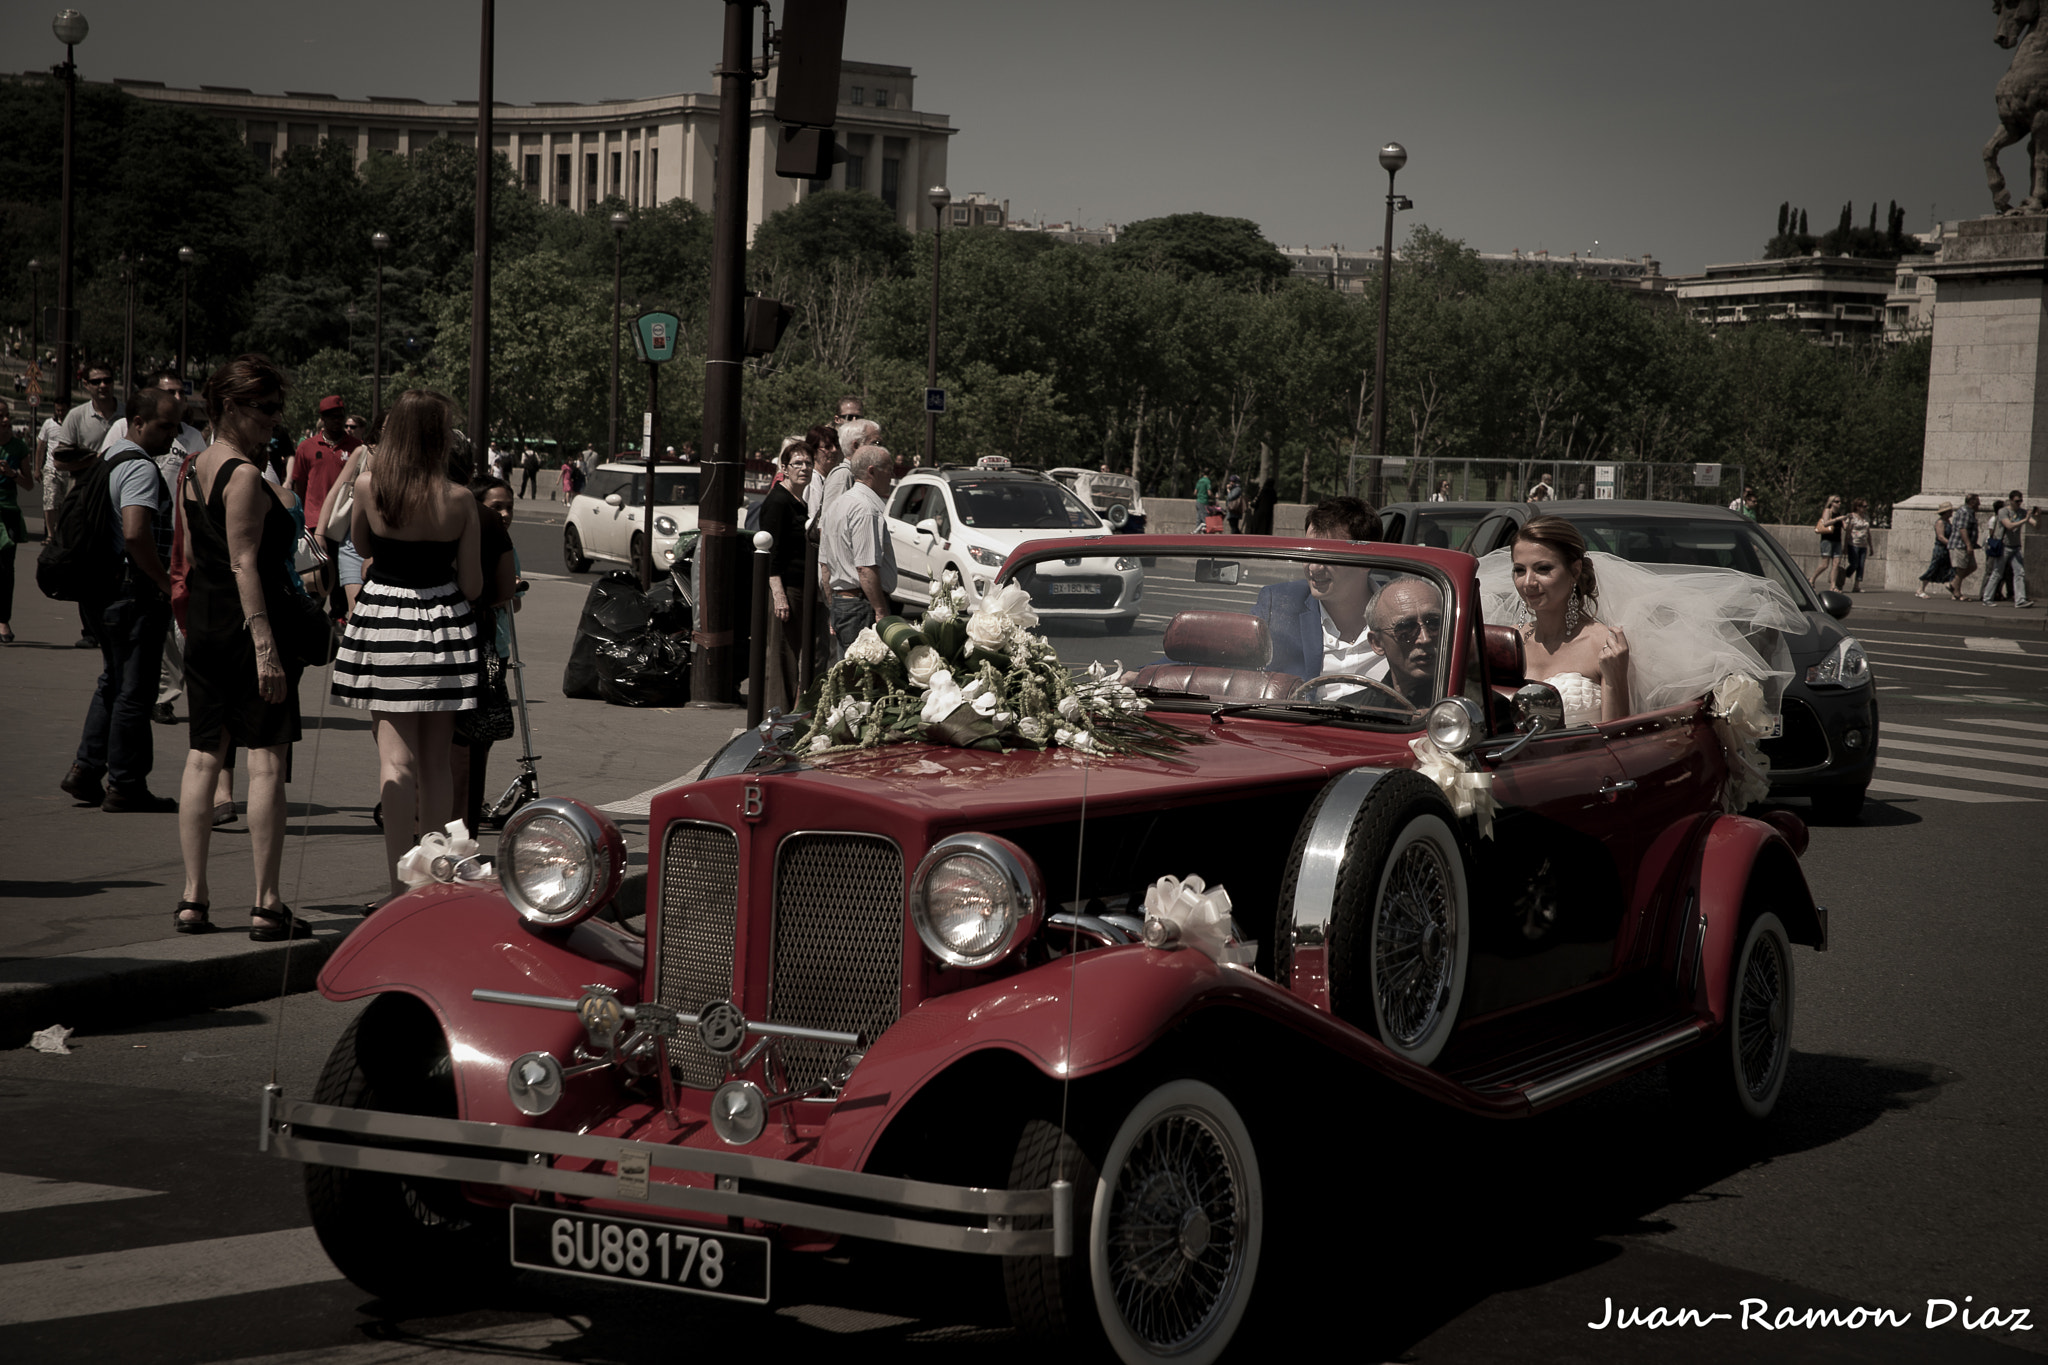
(1409, 628)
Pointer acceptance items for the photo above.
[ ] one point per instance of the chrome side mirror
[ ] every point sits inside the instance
(1538, 710)
(1224, 571)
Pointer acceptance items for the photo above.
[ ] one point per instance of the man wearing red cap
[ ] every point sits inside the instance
(317, 462)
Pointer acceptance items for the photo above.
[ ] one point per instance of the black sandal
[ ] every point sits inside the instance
(201, 925)
(287, 925)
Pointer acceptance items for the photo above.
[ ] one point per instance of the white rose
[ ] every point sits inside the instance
(989, 629)
(1079, 739)
(923, 665)
(941, 699)
(949, 579)
(820, 743)
(1005, 717)
(1032, 728)
(985, 704)
(939, 611)
(867, 648)
(1070, 708)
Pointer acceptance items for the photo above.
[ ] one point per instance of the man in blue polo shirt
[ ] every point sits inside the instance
(116, 746)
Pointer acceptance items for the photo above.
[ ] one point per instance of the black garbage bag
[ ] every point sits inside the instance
(615, 610)
(668, 609)
(650, 669)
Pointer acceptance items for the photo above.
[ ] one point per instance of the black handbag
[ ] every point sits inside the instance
(492, 719)
(304, 635)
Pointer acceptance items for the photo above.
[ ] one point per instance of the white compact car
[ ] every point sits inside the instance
(970, 519)
(604, 519)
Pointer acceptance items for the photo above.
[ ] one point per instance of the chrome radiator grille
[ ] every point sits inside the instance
(838, 944)
(700, 873)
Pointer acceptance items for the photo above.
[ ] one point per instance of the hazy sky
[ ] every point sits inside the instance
(1662, 128)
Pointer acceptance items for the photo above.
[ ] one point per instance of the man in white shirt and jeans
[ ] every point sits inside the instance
(2011, 526)
(855, 545)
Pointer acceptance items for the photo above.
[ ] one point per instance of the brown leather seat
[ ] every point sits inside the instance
(1220, 654)
(1505, 664)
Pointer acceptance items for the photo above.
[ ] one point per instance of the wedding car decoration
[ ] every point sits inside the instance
(979, 680)
(1187, 912)
(1742, 718)
(443, 855)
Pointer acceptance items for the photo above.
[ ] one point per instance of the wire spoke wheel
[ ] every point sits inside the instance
(1176, 1230)
(1415, 943)
(1762, 1013)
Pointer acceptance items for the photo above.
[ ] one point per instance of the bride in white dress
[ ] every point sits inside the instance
(1665, 633)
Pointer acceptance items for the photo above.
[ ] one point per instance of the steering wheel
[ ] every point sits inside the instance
(1304, 689)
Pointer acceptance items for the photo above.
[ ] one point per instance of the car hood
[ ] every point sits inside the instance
(951, 785)
(1008, 538)
(1822, 635)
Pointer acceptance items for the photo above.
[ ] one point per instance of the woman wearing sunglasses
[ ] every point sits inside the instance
(241, 689)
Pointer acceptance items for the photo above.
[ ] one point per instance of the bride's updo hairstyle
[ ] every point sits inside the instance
(1561, 537)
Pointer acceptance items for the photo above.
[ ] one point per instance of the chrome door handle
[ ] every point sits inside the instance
(1617, 788)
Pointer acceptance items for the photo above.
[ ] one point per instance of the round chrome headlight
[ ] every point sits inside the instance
(1456, 724)
(975, 899)
(558, 860)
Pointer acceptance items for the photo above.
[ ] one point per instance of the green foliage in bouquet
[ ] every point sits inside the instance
(979, 681)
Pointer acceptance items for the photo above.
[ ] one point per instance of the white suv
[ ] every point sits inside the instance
(604, 519)
(970, 519)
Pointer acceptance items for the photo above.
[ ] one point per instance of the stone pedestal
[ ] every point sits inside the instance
(1987, 391)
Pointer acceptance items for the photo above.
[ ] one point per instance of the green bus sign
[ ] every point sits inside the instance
(654, 337)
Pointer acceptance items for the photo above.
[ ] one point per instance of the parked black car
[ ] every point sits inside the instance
(1829, 748)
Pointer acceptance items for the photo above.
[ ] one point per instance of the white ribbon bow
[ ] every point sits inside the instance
(1201, 918)
(1470, 793)
(416, 868)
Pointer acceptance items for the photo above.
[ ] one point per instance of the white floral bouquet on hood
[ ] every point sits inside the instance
(977, 678)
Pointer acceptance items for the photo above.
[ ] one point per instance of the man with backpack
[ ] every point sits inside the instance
(109, 551)
(72, 450)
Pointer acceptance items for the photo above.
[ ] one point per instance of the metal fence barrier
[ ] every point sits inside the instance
(1394, 479)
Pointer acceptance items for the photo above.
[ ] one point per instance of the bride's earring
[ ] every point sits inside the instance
(1571, 615)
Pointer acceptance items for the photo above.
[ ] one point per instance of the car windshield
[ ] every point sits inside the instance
(1706, 543)
(670, 490)
(1444, 530)
(1021, 505)
(1251, 629)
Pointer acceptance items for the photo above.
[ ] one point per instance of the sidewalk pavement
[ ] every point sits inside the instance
(1941, 609)
(87, 898)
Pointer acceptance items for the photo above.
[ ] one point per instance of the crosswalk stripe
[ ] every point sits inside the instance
(1883, 784)
(1907, 765)
(1996, 644)
(20, 1192)
(149, 1277)
(1877, 658)
(1882, 653)
(1957, 751)
(1892, 727)
(2034, 725)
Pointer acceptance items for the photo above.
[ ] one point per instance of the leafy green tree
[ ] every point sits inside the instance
(325, 372)
(1188, 246)
(549, 360)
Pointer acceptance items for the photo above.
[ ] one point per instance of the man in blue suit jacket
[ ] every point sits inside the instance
(1294, 611)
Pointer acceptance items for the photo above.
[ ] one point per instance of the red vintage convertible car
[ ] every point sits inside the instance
(912, 993)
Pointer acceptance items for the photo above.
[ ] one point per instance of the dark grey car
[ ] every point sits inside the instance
(1829, 748)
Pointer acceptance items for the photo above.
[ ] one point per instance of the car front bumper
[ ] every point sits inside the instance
(1830, 740)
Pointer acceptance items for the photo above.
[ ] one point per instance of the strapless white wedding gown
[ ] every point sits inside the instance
(1581, 696)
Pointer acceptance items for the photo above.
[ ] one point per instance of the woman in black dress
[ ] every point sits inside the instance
(240, 688)
(782, 516)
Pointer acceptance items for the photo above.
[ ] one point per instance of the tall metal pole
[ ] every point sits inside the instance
(184, 310)
(35, 336)
(647, 494)
(480, 276)
(1392, 156)
(127, 329)
(619, 221)
(64, 337)
(711, 676)
(940, 197)
(380, 242)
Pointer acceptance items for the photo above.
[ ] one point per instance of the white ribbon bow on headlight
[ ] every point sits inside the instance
(424, 864)
(1199, 918)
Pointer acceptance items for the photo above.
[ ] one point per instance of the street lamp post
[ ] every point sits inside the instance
(619, 222)
(381, 242)
(480, 270)
(35, 333)
(185, 259)
(1393, 156)
(940, 197)
(70, 28)
(127, 325)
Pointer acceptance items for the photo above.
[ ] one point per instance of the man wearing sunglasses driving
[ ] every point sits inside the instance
(1408, 629)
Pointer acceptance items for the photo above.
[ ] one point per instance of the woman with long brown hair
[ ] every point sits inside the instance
(1587, 661)
(409, 655)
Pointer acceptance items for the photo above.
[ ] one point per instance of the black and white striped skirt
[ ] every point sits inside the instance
(408, 649)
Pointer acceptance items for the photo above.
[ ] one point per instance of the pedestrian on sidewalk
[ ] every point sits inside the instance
(1829, 528)
(71, 452)
(15, 473)
(1938, 570)
(241, 690)
(421, 535)
(1858, 548)
(529, 473)
(317, 464)
(1962, 545)
(130, 616)
(2013, 521)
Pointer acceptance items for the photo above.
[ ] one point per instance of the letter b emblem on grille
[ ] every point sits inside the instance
(721, 1027)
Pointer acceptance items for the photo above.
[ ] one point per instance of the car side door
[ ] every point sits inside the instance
(590, 516)
(913, 557)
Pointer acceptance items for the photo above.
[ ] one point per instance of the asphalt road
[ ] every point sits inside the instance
(136, 1218)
